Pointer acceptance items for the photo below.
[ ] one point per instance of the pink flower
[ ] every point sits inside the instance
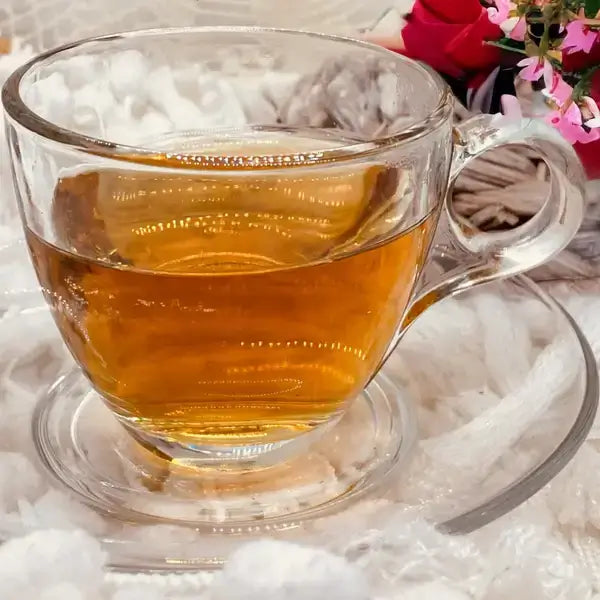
(550, 74)
(504, 14)
(570, 124)
(501, 13)
(593, 109)
(511, 107)
(511, 111)
(533, 68)
(556, 87)
(519, 30)
(579, 38)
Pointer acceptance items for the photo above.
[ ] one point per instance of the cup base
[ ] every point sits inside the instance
(238, 458)
(85, 449)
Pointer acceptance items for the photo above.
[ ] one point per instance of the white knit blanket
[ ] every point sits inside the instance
(546, 549)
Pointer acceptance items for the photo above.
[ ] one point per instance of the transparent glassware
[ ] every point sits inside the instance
(531, 443)
(231, 226)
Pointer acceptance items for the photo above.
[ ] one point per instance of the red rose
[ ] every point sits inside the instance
(450, 36)
(589, 154)
(578, 61)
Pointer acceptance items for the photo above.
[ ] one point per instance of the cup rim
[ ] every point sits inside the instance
(16, 108)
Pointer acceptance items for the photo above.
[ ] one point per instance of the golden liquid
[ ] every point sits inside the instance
(229, 308)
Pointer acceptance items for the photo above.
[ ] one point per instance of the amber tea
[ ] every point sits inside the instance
(224, 306)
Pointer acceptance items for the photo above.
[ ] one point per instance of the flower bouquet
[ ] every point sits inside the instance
(538, 58)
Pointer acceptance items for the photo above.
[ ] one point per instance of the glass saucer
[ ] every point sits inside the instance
(387, 457)
(87, 451)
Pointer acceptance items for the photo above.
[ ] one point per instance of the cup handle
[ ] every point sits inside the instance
(489, 256)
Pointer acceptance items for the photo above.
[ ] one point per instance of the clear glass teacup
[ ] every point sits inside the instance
(230, 225)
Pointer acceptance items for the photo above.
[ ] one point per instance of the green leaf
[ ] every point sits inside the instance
(507, 44)
(591, 8)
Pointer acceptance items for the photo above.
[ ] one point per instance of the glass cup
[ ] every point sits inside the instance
(231, 225)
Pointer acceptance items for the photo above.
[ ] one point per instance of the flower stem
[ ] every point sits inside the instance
(508, 48)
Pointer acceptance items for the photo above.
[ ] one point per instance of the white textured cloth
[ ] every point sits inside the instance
(547, 549)
(48, 23)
